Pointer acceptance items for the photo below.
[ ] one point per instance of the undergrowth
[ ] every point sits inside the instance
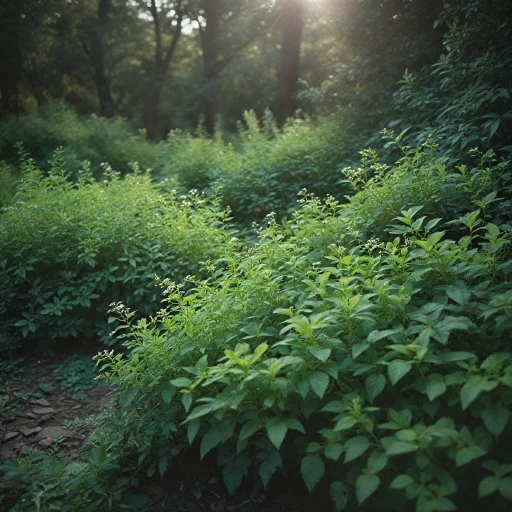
(378, 370)
(69, 250)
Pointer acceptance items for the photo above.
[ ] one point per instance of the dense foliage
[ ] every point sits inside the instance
(356, 345)
(95, 139)
(264, 169)
(69, 250)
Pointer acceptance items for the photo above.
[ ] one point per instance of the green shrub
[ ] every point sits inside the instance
(92, 138)
(464, 98)
(264, 169)
(381, 371)
(69, 250)
(42, 482)
(8, 183)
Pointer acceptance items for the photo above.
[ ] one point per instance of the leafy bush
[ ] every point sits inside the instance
(379, 370)
(69, 250)
(265, 170)
(464, 99)
(8, 183)
(41, 482)
(92, 138)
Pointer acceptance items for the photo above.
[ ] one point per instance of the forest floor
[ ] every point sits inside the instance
(47, 403)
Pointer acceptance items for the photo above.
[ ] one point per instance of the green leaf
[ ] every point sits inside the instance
(355, 447)
(366, 485)
(268, 467)
(459, 294)
(320, 353)
(496, 419)
(258, 352)
(505, 488)
(468, 394)
(193, 427)
(398, 369)
(276, 431)
(249, 428)
(182, 382)
(337, 492)
(375, 384)
(435, 386)
(468, 454)
(319, 382)
(345, 423)
(377, 462)
(399, 447)
(358, 349)
(211, 439)
(162, 465)
(401, 482)
(487, 486)
(187, 401)
(333, 451)
(312, 469)
(295, 424)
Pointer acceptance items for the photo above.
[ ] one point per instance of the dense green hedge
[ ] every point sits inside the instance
(69, 250)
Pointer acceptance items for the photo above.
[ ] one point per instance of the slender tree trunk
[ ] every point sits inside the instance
(210, 48)
(293, 21)
(35, 84)
(161, 65)
(95, 52)
(152, 106)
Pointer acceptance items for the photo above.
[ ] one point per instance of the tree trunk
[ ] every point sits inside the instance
(210, 48)
(152, 106)
(97, 58)
(293, 21)
(161, 65)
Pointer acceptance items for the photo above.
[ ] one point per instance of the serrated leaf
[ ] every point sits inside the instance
(249, 428)
(435, 387)
(295, 424)
(312, 469)
(468, 394)
(366, 485)
(211, 439)
(377, 462)
(193, 427)
(187, 401)
(355, 447)
(232, 477)
(465, 455)
(496, 419)
(358, 349)
(338, 495)
(459, 294)
(401, 482)
(320, 353)
(374, 384)
(269, 466)
(276, 431)
(398, 369)
(319, 382)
